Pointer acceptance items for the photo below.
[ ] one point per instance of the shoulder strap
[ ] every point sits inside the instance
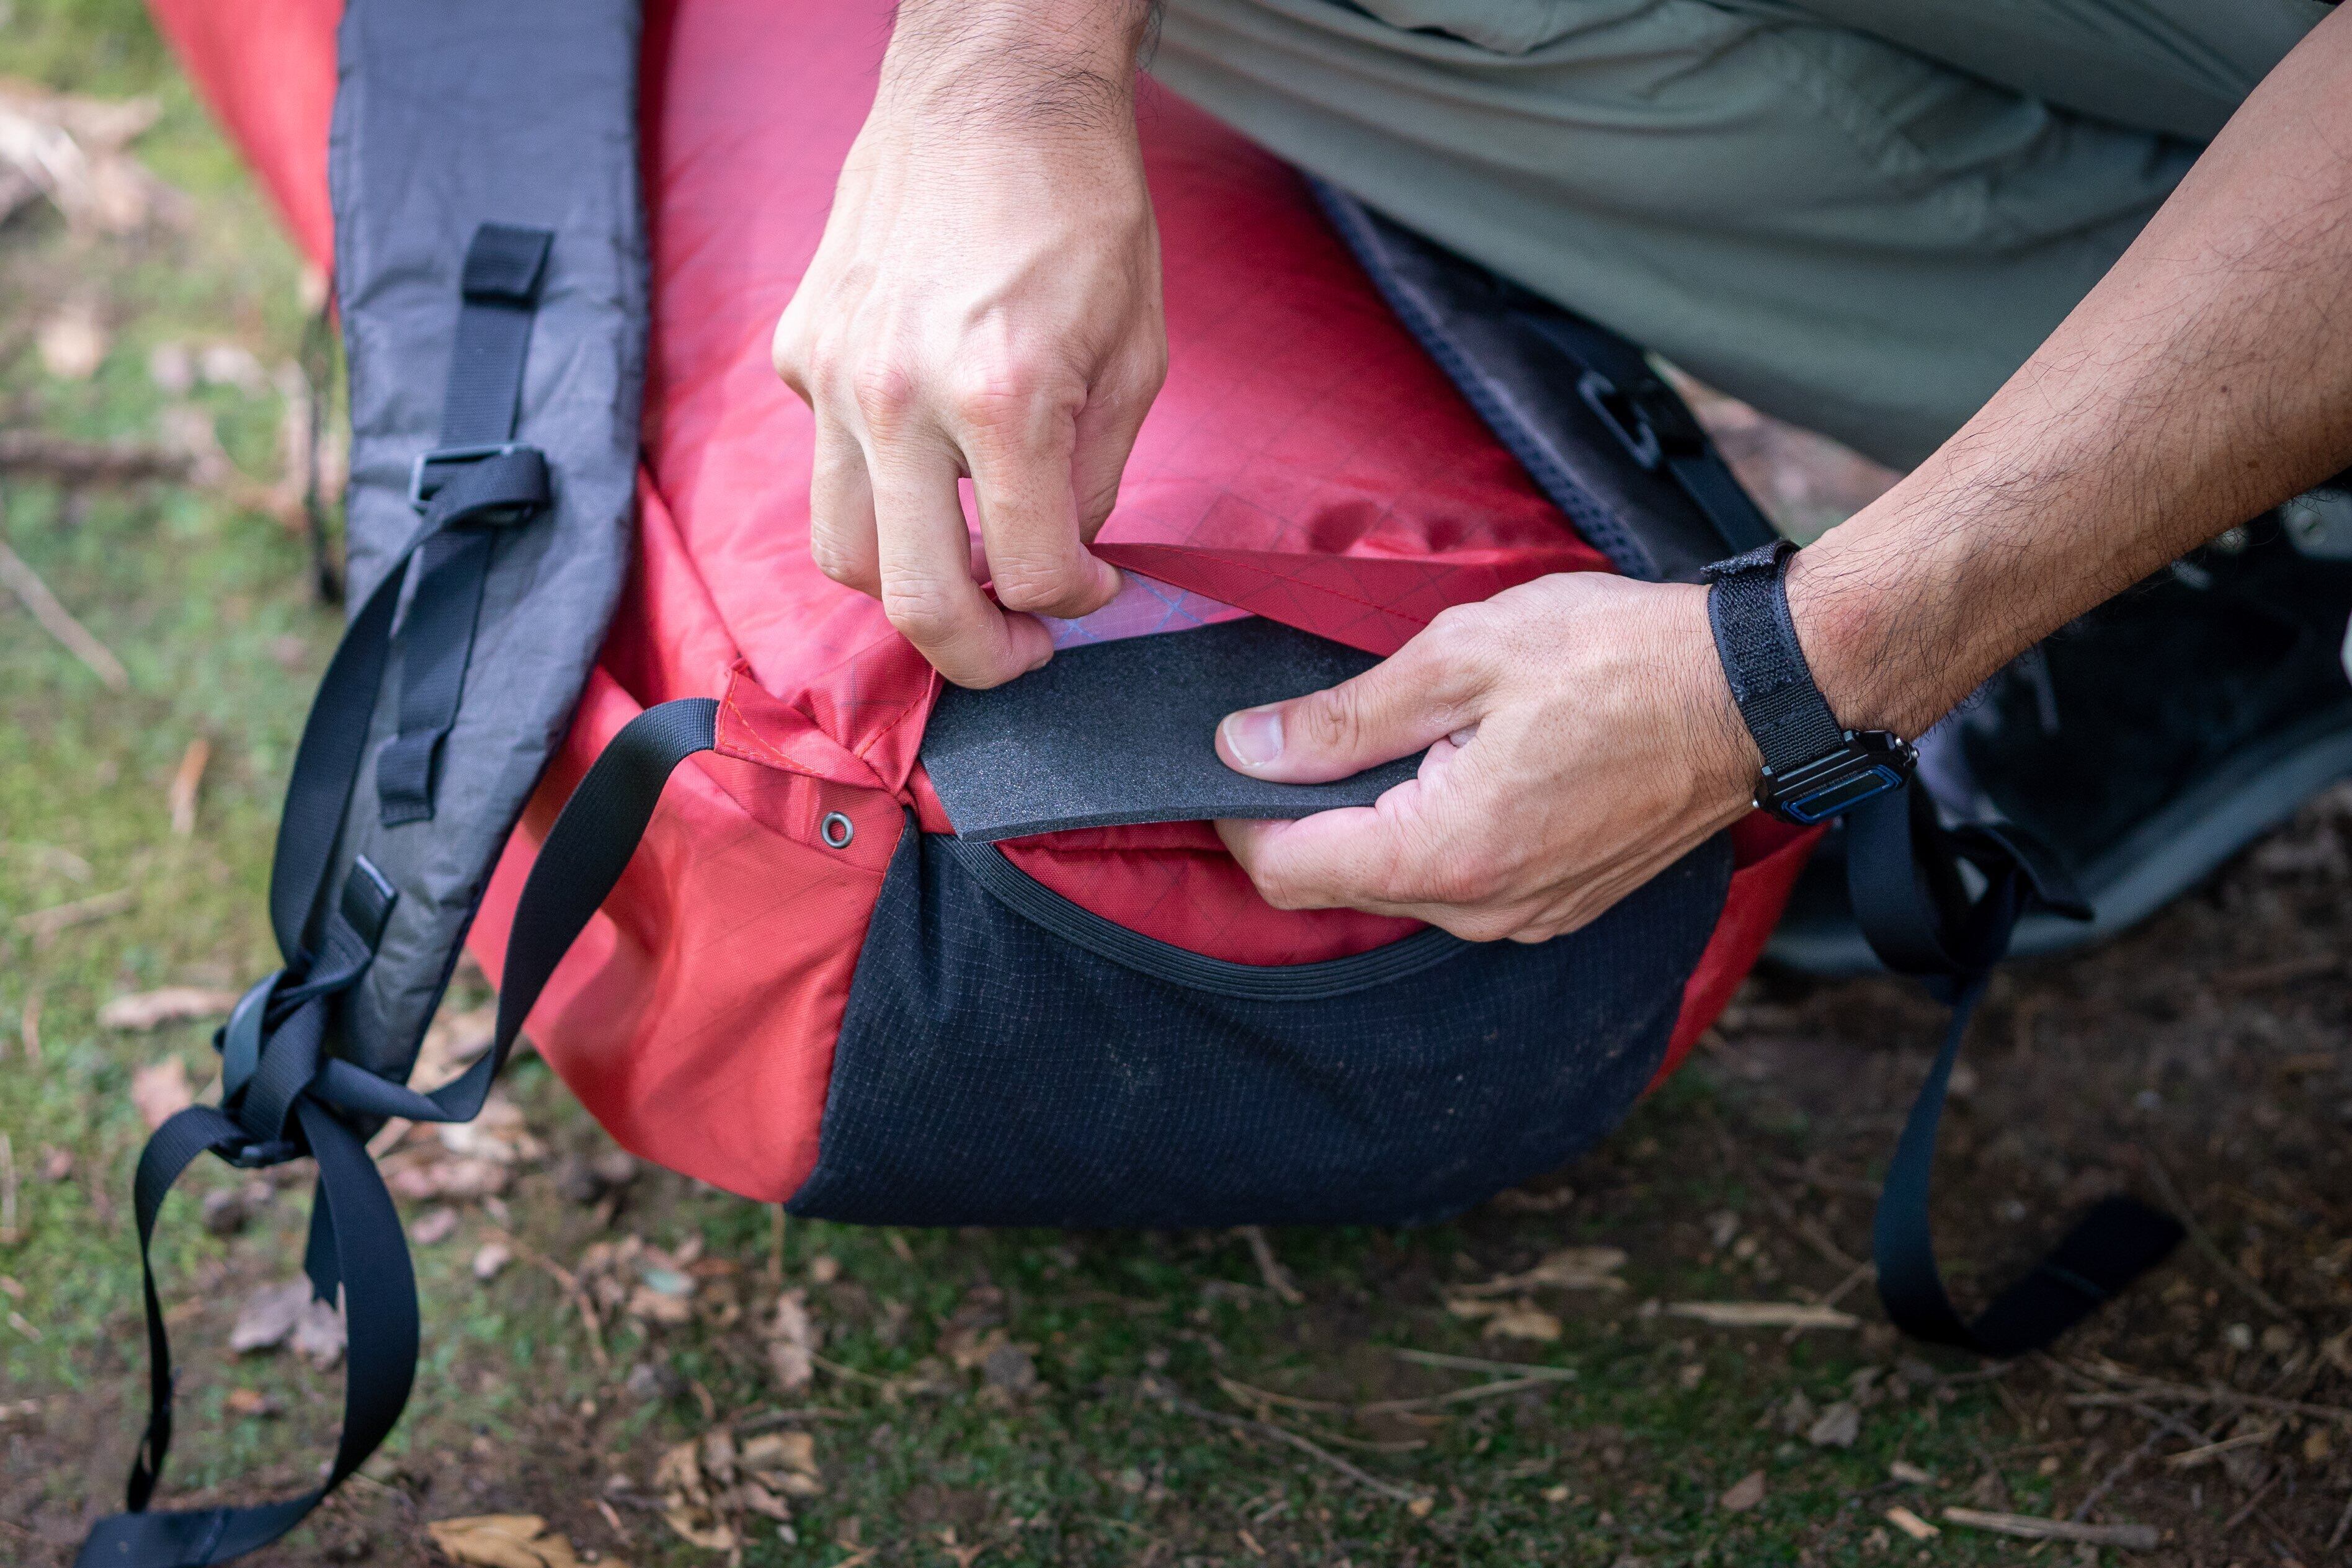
(356, 1243)
(1911, 895)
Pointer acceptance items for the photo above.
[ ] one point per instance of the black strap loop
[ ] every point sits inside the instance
(476, 476)
(1912, 900)
(355, 1242)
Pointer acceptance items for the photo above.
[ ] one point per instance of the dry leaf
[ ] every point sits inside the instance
(792, 1341)
(1838, 1426)
(1523, 1320)
(969, 1347)
(160, 1091)
(318, 1333)
(505, 1540)
(490, 1258)
(170, 1004)
(1571, 1269)
(497, 1133)
(1743, 1494)
(268, 1317)
(1764, 1314)
(701, 1528)
(434, 1226)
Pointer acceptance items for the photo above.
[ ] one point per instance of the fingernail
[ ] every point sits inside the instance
(1254, 735)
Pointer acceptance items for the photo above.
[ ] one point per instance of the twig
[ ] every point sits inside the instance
(1263, 1397)
(569, 1284)
(1811, 1235)
(59, 623)
(2154, 1389)
(1480, 1363)
(1763, 1314)
(2205, 1454)
(70, 462)
(851, 1373)
(2162, 1423)
(9, 1234)
(43, 924)
(2343, 1525)
(1484, 1390)
(187, 782)
(1861, 1271)
(1269, 1267)
(2028, 1527)
(2107, 1482)
(2260, 1493)
(2204, 1240)
(1268, 1429)
(28, 1029)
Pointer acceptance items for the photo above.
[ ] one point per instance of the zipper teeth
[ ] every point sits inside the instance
(1041, 906)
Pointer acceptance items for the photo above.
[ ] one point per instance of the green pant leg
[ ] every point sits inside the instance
(1841, 231)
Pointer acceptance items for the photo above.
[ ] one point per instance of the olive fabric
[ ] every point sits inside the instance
(1860, 216)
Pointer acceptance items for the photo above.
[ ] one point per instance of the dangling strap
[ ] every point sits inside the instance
(1911, 898)
(501, 292)
(380, 1296)
(355, 1240)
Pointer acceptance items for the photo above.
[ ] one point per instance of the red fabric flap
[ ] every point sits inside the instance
(1376, 603)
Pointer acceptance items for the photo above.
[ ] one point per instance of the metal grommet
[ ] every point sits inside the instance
(837, 829)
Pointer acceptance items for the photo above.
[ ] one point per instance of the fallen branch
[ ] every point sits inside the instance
(2028, 1527)
(1268, 1429)
(2153, 1388)
(55, 620)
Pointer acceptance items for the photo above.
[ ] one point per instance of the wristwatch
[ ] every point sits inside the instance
(1814, 767)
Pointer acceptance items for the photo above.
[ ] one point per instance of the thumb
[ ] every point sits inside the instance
(1393, 709)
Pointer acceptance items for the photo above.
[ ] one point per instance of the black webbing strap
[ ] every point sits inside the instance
(1770, 679)
(356, 1243)
(380, 1304)
(1912, 900)
(1650, 421)
(499, 294)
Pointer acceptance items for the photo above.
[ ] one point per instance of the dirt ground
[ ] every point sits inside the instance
(663, 1373)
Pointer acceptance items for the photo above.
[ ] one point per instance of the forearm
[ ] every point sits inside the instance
(2207, 377)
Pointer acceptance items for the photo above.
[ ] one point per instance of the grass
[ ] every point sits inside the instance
(208, 607)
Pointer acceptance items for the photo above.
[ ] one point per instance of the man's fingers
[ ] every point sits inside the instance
(1019, 448)
(841, 509)
(1431, 688)
(925, 570)
(1107, 429)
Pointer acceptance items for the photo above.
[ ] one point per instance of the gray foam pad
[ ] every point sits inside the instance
(1125, 731)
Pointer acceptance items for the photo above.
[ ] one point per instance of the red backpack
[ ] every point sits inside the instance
(878, 952)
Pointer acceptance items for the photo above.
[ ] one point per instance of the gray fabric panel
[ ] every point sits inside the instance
(1125, 731)
(450, 113)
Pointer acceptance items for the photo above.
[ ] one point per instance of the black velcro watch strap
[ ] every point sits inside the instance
(1748, 610)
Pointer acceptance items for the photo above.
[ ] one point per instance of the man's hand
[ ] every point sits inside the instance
(2206, 378)
(1580, 737)
(985, 303)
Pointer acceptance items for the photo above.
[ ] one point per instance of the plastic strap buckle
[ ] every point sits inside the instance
(424, 483)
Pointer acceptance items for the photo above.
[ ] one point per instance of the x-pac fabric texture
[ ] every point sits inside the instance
(698, 1014)
(1860, 216)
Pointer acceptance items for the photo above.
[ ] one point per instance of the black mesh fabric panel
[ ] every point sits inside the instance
(989, 1072)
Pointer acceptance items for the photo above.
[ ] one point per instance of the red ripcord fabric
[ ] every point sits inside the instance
(1304, 461)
